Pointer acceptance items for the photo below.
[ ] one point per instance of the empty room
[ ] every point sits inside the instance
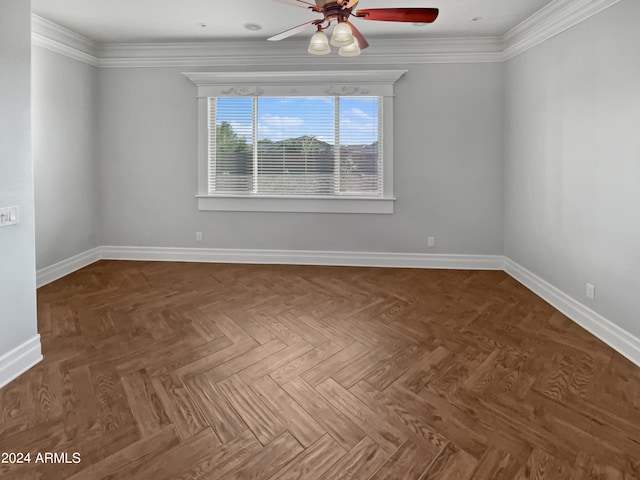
(320, 239)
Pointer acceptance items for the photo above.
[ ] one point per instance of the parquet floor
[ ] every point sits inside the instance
(168, 371)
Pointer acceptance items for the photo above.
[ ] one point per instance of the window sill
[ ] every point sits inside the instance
(229, 203)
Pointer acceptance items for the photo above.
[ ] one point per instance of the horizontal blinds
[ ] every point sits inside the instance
(306, 146)
(296, 138)
(360, 145)
(231, 145)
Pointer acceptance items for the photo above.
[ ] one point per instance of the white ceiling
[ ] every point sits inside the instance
(178, 20)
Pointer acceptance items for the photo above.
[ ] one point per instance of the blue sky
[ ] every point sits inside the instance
(289, 117)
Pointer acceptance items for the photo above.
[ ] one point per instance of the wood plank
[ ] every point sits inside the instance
(79, 403)
(409, 462)
(359, 463)
(431, 364)
(269, 460)
(279, 330)
(451, 463)
(137, 453)
(361, 367)
(254, 328)
(173, 461)
(173, 356)
(409, 423)
(303, 363)
(147, 409)
(328, 367)
(202, 324)
(214, 406)
(272, 362)
(313, 462)
(497, 465)
(179, 405)
(245, 360)
(229, 328)
(223, 459)
(306, 331)
(45, 384)
(388, 437)
(341, 428)
(302, 426)
(541, 465)
(387, 373)
(113, 409)
(262, 422)
(447, 420)
(202, 364)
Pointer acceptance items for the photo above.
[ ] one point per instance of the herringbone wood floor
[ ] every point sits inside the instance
(180, 371)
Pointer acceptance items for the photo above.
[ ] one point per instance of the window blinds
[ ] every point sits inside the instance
(295, 146)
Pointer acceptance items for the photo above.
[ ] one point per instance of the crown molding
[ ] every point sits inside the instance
(549, 21)
(57, 47)
(50, 35)
(556, 17)
(385, 51)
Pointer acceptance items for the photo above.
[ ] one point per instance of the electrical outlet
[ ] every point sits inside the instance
(591, 291)
(8, 216)
(431, 242)
(198, 236)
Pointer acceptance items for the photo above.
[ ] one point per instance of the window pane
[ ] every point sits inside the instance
(360, 158)
(296, 152)
(308, 146)
(231, 145)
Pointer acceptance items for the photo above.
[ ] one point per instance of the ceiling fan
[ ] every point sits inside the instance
(345, 34)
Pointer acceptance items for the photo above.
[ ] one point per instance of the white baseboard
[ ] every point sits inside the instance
(65, 267)
(19, 360)
(620, 340)
(304, 257)
(617, 338)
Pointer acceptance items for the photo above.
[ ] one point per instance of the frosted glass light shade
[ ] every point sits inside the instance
(342, 35)
(351, 50)
(319, 44)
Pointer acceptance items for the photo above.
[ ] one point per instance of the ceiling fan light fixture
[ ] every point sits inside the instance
(319, 44)
(351, 50)
(342, 35)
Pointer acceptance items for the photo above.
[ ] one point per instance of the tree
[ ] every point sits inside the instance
(227, 140)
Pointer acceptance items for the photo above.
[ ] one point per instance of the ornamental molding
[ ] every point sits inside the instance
(243, 91)
(284, 82)
(346, 90)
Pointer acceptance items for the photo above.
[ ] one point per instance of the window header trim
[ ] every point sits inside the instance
(377, 83)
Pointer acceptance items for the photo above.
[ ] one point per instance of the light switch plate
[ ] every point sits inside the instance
(8, 216)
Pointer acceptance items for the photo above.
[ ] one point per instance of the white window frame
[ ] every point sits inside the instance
(378, 83)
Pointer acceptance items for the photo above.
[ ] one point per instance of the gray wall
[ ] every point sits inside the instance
(448, 170)
(17, 278)
(64, 94)
(572, 173)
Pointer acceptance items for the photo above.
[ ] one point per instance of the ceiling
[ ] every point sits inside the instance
(118, 21)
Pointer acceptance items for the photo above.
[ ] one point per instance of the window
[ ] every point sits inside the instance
(296, 142)
(295, 146)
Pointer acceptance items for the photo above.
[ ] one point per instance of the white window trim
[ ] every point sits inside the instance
(304, 83)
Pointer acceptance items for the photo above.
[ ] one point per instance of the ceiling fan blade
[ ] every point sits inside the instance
(292, 31)
(416, 15)
(362, 42)
(301, 3)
